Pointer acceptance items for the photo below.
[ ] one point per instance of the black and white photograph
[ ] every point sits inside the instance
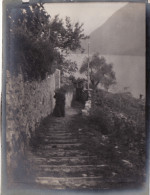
(75, 96)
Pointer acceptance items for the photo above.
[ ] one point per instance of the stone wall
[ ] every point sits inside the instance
(27, 103)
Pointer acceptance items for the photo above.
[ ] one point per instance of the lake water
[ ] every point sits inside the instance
(130, 72)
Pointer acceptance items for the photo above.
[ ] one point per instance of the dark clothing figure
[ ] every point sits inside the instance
(84, 96)
(59, 109)
(141, 96)
(79, 94)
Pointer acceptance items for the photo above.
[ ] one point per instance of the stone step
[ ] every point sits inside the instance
(84, 182)
(60, 141)
(81, 167)
(69, 183)
(52, 130)
(64, 137)
(78, 183)
(74, 171)
(61, 146)
(61, 153)
(56, 134)
(66, 160)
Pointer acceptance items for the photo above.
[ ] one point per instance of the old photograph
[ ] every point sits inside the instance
(75, 96)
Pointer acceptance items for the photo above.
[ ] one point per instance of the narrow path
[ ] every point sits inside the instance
(64, 156)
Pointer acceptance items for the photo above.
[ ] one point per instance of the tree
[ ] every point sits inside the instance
(99, 71)
(39, 44)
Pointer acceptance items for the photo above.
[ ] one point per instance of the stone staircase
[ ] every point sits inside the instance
(61, 159)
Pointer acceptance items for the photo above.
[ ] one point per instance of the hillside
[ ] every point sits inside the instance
(121, 117)
(121, 34)
(120, 120)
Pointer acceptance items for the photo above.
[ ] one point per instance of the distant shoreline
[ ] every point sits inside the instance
(130, 71)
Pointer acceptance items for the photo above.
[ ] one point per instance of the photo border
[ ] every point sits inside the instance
(5, 191)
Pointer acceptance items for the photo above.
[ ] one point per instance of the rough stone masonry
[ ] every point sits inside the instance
(27, 103)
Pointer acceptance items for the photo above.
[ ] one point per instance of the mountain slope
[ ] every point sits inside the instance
(122, 34)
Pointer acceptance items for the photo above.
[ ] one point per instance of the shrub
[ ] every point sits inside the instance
(121, 117)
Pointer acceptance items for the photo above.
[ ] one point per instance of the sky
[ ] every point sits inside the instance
(93, 15)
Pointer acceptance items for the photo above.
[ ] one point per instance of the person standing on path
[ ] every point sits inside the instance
(59, 110)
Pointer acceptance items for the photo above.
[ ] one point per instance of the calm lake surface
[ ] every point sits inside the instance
(130, 72)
